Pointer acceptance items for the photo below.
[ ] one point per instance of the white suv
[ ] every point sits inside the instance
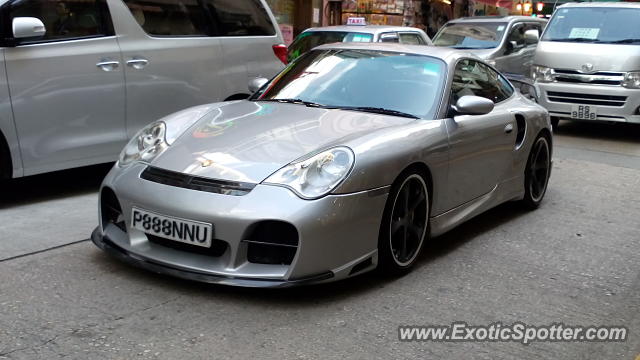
(83, 76)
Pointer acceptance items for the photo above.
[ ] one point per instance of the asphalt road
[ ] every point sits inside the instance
(575, 261)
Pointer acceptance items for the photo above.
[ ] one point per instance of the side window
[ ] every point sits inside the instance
(515, 40)
(65, 20)
(389, 37)
(474, 78)
(411, 39)
(240, 17)
(169, 18)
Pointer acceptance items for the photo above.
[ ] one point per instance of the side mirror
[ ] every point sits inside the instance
(531, 37)
(27, 27)
(473, 105)
(256, 83)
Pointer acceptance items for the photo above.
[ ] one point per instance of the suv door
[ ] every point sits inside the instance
(177, 54)
(481, 150)
(170, 60)
(67, 87)
(247, 44)
(513, 51)
(518, 51)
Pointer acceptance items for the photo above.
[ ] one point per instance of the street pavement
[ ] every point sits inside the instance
(574, 260)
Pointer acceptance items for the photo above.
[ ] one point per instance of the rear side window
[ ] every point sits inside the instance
(240, 18)
(65, 20)
(170, 18)
(411, 39)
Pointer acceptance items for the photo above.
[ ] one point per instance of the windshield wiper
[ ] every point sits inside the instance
(584, 40)
(623, 41)
(295, 101)
(470, 48)
(378, 110)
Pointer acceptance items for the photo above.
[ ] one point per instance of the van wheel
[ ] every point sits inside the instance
(555, 121)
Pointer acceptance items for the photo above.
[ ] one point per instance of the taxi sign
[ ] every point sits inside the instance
(356, 21)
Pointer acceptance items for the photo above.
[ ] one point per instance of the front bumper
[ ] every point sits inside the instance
(104, 243)
(598, 96)
(336, 234)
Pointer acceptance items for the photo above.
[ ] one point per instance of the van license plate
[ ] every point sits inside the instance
(584, 112)
(168, 227)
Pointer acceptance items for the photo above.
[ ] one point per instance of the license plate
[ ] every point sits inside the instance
(584, 112)
(168, 227)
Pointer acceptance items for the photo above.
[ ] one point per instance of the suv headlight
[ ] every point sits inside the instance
(632, 80)
(541, 73)
(145, 145)
(317, 175)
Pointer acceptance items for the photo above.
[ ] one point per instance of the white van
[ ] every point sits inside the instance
(587, 64)
(80, 77)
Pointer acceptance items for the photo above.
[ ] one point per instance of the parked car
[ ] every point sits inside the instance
(587, 65)
(83, 76)
(313, 37)
(348, 160)
(506, 42)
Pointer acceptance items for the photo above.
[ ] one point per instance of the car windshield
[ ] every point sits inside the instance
(600, 25)
(310, 39)
(481, 35)
(362, 80)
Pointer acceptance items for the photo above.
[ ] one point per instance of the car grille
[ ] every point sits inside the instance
(586, 99)
(597, 78)
(173, 178)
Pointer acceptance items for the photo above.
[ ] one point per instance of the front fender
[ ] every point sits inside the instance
(382, 155)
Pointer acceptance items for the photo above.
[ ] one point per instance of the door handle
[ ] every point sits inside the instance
(508, 129)
(108, 65)
(137, 63)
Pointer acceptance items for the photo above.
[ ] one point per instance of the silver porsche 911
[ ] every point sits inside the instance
(348, 160)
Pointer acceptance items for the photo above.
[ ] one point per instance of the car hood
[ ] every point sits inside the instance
(603, 57)
(248, 141)
(484, 54)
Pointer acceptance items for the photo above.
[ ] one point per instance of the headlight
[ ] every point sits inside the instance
(316, 176)
(541, 73)
(145, 145)
(632, 80)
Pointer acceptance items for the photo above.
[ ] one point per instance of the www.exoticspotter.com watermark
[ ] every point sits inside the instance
(516, 332)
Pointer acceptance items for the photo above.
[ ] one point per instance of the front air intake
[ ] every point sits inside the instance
(272, 242)
(110, 210)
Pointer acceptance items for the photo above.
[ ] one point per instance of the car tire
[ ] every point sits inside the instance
(537, 172)
(405, 224)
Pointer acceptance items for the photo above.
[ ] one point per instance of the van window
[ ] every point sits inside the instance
(65, 20)
(240, 17)
(169, 18)
(602, 25)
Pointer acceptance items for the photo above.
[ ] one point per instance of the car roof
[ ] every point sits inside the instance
(372, 29)
(601, 4)
(494, 19)
(445, 53)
